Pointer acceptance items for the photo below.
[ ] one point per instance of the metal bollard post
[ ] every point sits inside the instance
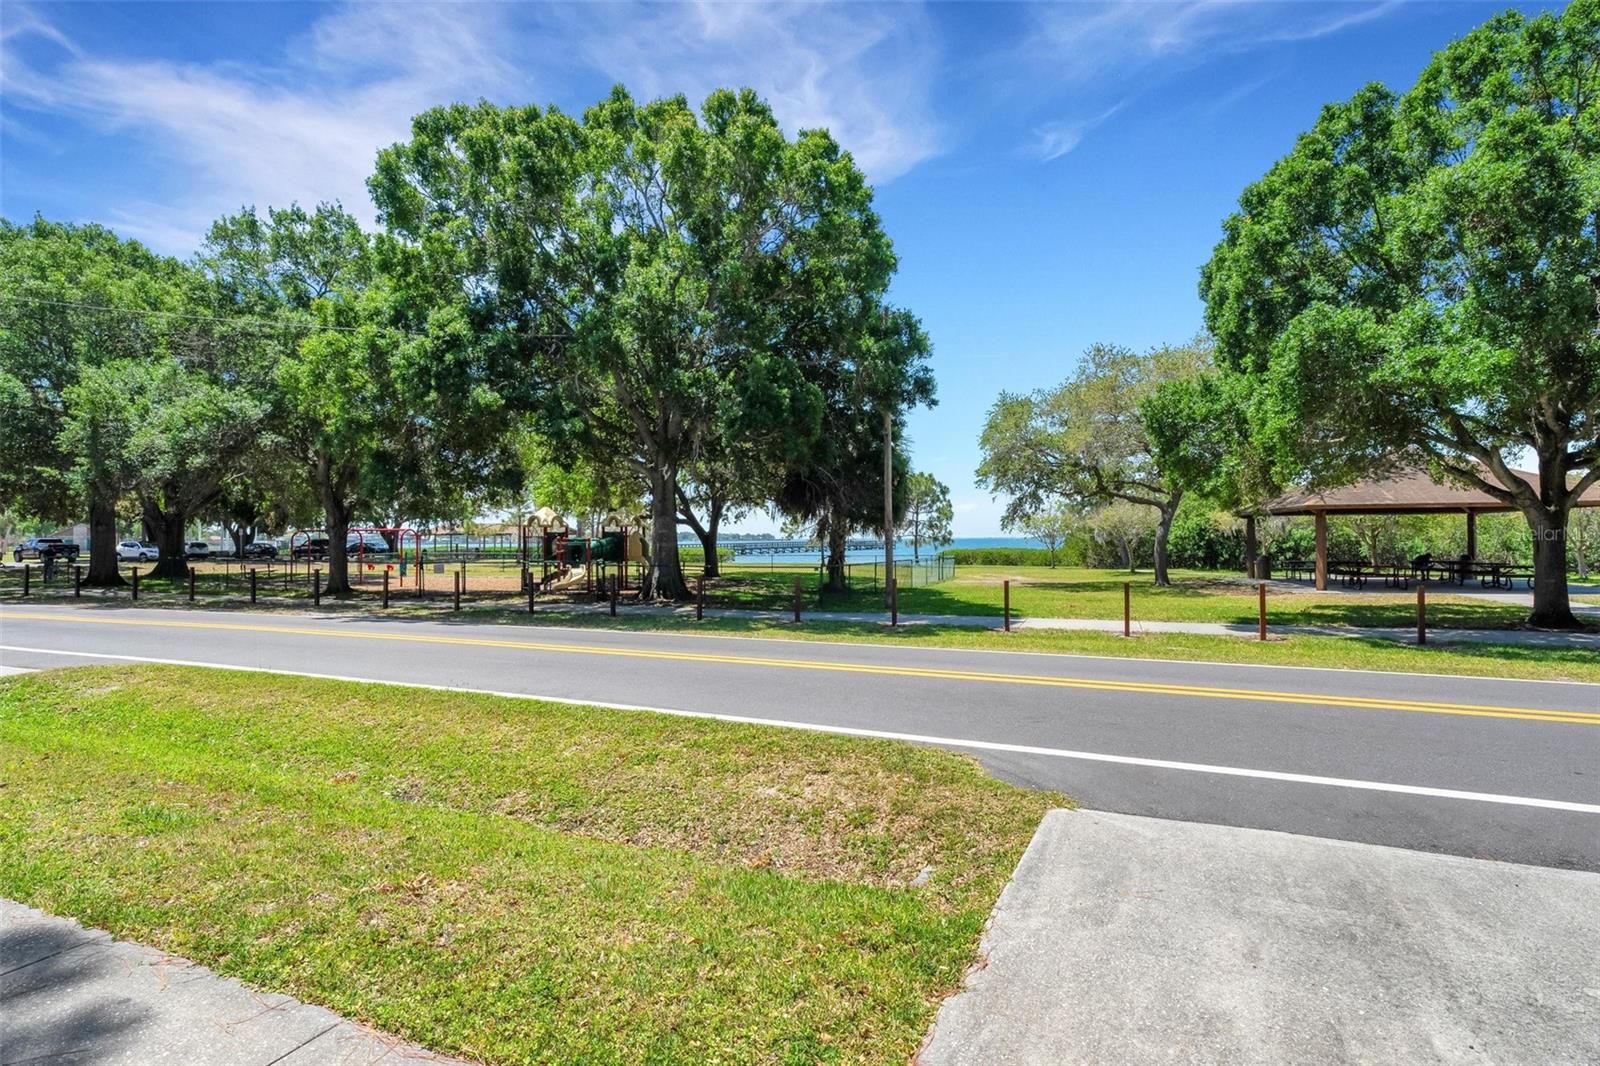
(1422, 612)
(1127, 608)
(77, 580)
(385, 587)
(191, 584)
(700, 598)
(27, 578)
(797, 599)
(1006, 593)
(316, 588)
(252, 585)
(1261, 611)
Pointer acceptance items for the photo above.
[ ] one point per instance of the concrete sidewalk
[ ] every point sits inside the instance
(71, 996)
(1137, 940)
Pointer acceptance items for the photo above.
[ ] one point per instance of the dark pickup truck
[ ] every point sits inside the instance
(35, 547)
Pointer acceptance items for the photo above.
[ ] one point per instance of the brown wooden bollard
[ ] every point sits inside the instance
(894, 602)
(456, 593)
(252, 584)
(614, 590)
(385, 586)
(1422, 612)
(27, 579)
(1006, 597)
(532, 590)
(1261, 611)
(1127, 608)
(797, 599)
(135, 582)
(77, 580)
(316, 588)
(700, 599)
(191, 584)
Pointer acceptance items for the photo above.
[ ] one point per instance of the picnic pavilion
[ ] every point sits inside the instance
(1407, 491)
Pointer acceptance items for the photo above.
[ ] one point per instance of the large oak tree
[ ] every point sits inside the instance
(1085, 442)
(1420, 279)
(81, 312)
(662, 268)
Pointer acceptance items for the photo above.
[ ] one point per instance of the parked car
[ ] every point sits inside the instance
(314, 547)
(35, 547)
(261, 549)
(197, 549)
(374, 543)
(137, 551)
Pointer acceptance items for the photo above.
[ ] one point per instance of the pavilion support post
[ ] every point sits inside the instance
(1472, 534)
(1322, 551)
(1252, 547)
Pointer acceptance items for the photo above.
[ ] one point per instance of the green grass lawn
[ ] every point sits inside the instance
(506, 879)
(1036, 591)
(1042, 592)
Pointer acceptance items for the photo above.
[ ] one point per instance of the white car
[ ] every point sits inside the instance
(137, 551)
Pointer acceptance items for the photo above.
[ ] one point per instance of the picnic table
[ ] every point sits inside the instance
(1490, 574)
(1355, 574)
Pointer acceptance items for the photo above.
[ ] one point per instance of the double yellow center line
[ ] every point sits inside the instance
(1468, 710)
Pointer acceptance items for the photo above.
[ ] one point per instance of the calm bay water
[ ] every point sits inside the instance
(902, 550)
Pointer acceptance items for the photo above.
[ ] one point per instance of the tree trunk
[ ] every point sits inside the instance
(1551, 607)
(664, 579)
(1252, 567)
(167, 529)
(708, 539)
(104, 571)
(837, 539)
(1163, 530)
(336, 510)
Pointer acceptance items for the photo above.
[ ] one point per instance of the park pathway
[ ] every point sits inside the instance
(71, 996)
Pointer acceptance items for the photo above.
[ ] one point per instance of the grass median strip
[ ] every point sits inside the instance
(515, 881)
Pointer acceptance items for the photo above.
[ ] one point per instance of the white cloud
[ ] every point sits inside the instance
(1089, 40)
(261, 135)
(306, 125)
(1081, 54)
(864, 72)
(1055, 139)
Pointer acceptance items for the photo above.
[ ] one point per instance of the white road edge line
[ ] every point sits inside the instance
(883, 734)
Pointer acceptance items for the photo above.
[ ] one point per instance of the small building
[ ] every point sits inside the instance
(1406, 491)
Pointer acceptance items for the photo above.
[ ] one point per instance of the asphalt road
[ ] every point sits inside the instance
(1480, 767)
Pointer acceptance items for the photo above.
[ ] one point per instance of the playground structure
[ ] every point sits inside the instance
(544, 555)
(569, 561)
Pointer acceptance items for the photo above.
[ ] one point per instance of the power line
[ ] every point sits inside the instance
(226, 320)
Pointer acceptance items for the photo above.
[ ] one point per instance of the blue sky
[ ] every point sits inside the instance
(1053, 175)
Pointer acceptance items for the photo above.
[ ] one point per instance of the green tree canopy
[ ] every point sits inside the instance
(1085, 442)
(665, 270)
(1419, 279)
(79, 305)
(928, 514)
(383, 392)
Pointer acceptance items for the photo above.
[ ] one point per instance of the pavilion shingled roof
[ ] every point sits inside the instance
(1409, 491)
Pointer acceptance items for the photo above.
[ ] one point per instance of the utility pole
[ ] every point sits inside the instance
(888, 502)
